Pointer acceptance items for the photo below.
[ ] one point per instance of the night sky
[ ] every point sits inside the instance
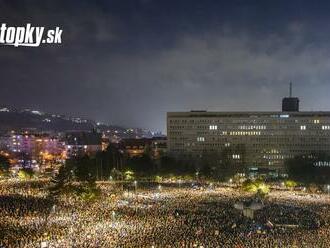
(129, 62)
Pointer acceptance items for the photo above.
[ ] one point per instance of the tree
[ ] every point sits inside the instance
(256, 186)
(77, 176)
(25, 173)
(106, 161)
(226, 167)
(116, 174)
(63, 178)
(4, 165)
(290, 184)
(168, 165)
(129, 175)
(85, 169)
(88, 192)
(206, 171)
(114, 157)
(142, 165)
(208, 163)
(25, 158)
(171, 165)
(306, 169)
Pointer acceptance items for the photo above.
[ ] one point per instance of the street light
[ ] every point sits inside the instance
(135, 185)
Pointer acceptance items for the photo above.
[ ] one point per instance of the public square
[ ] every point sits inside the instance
(160, 215)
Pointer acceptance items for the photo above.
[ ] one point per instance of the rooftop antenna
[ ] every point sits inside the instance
(290, 89)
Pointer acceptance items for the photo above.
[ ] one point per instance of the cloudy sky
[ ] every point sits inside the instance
(129, 62)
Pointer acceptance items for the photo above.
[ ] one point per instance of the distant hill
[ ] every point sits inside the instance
(27, 119)
(33, 119)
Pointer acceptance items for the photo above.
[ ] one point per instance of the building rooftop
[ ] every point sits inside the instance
(277, 114)
(83, 138)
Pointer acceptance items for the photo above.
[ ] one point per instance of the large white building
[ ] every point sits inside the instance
(261, 139)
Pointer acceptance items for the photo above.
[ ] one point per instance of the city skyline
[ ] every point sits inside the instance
(164, 123)
(130, 63)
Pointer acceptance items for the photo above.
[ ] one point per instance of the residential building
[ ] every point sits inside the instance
(82, 143)
(155, 147)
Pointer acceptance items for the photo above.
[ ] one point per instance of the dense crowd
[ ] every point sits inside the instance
(159, 217)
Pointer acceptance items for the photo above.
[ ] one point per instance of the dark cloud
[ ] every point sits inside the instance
(129, 62)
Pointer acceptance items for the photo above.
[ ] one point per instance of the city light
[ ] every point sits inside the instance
(164, 124)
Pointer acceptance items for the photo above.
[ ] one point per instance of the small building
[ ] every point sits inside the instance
(82, 143)
(155, 147)
(135, 147)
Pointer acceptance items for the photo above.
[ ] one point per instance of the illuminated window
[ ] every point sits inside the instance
(302, 127)
(316, 121)
(262, 127)
(200, 139)
(213, 127)
(236, 156)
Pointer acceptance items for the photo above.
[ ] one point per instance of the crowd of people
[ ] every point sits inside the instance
(159, 217)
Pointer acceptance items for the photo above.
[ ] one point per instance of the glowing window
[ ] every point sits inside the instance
(213, 127)
(236, 156)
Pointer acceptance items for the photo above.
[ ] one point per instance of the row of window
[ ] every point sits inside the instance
(273, 157)
(244, 121)
(322, 163)
(269, 139)
(213, 127)
(253, 127)
(236, 156)
(258, 127)
(245, 133)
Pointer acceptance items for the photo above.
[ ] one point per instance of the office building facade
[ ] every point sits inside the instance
(261, 139)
